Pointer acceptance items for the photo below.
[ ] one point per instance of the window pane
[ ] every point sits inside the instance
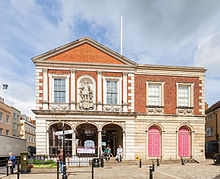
(183, 95)
(112, 92)
(59, 90)
(154, 97)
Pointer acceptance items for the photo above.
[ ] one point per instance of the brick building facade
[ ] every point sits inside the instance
(153, 111)
(213, 129)
(5, 119)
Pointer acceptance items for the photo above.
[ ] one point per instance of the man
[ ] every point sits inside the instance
(107, 153)
(119, 153)
(11, 162)
(60, 159)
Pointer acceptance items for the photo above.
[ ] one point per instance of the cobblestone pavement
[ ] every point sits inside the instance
(204, 170)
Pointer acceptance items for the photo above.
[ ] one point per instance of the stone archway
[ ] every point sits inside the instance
(86, 139)
(184, 141)
(55, 141)
(154, 141)
(112, 136)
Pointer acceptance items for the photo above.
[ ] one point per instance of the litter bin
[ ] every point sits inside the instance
(24, 163)
(95, 162)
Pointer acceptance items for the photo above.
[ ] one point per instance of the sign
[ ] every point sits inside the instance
(65, 132)
(86, 150)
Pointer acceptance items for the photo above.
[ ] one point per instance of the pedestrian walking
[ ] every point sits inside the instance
(107, 153)
(60, 159)
(11, 162)
(119, 153)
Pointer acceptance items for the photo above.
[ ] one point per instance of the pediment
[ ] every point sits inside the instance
(85, 51)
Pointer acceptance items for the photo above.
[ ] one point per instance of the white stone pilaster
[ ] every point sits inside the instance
(45, 91)
(125, 101)
(99, 91)
(41, 136)
(74, 143)
(73, 91)
(124, 143)
(48, 143)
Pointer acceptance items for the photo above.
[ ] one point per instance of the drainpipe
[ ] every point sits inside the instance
(216, 132)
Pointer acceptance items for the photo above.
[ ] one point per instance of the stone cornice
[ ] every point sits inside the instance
(171, 68)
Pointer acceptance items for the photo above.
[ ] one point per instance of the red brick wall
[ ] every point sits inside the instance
(85, 53)
(169, 92)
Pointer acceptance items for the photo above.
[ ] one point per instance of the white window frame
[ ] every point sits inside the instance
(209, 116)
(161, 91)
(51, 86)
(119, 86)
(7, 119)
(210, 132)
(1, 120)
(191, 93)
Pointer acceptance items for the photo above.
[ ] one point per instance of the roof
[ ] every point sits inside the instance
(213, 107)
(42, 57)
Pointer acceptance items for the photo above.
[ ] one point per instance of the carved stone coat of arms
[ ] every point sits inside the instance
(86, 96)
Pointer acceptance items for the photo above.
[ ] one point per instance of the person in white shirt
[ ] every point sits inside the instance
(119, 153)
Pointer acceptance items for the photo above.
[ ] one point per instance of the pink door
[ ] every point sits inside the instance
(154, 142)
(184, 142)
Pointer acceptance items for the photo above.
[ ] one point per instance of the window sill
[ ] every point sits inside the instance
(155, 109)
(184, 110)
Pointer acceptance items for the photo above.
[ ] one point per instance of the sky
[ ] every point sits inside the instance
(160, 32)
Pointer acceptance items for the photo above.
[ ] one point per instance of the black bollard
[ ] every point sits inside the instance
(57, 169)
(158, 164)
(140, 163)
(7, 170)
(182, 161)
(151, 173)
(102, 162)
(153, 166)
(18, 170)
(92, 170)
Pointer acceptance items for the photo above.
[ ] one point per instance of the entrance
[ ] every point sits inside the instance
(184, 142)
(86, 139)
(56, 141)
(154, 141)
(112, 136)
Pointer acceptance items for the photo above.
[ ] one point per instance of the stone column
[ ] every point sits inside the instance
(125, 107)
(99, 93)
(45, 91)
(74, 143)
(124, 143)
(99, 141)
(73, 91)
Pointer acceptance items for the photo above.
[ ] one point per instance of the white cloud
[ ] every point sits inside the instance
(208, 55)
(155, 32)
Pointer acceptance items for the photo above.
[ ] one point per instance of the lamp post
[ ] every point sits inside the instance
(64, 154)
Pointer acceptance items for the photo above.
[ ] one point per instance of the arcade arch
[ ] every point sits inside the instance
(55, 141)
(112, 136)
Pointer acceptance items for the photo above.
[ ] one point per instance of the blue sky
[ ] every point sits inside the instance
(170, 32)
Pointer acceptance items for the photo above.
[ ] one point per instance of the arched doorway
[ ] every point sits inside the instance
(184, 142)
(86, 139)
(112, 135)
(154, 142)
(56, 141)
